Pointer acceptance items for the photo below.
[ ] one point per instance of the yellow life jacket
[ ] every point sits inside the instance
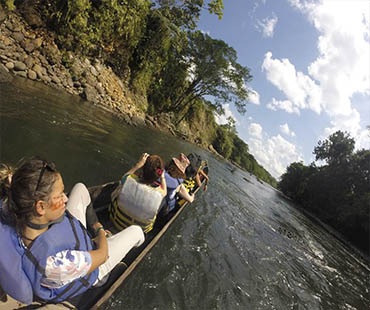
(136, 203)
(189, 184)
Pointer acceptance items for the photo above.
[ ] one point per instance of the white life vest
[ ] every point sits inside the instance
(136, 203)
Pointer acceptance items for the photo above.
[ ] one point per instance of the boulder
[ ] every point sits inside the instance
(32, 75)
(5, 76)
(19, 66)
(18, 36)
(9, 65)
(90, 94)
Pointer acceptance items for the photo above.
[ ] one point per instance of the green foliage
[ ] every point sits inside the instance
(9, 4)
(339, 192)
(335, 150)
(106, 28)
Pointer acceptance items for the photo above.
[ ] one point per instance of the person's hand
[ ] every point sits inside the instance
(142, 160)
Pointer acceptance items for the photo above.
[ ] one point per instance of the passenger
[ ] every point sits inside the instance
(175, 175)
(49, 253)
(194, 172)
(138, 198)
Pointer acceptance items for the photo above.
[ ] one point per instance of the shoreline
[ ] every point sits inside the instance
(33, 54)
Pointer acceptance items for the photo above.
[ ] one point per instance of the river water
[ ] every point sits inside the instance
(240, 245)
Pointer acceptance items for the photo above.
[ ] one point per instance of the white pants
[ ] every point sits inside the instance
(119, 244)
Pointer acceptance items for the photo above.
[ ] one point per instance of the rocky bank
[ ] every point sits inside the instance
(31, 52)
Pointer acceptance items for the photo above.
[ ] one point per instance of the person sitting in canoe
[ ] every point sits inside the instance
(138, 198)
(175, 176)
(46, 250)
(194, 172)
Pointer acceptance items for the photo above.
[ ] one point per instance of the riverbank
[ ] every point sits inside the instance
(31, 52)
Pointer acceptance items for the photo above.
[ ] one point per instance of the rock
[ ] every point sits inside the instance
(9, 65)
(37, 42)
(90, 94)
(2, 15)
(98, 67)
(17, 36)
(93, 71)
(3, 57)
(19, 66)
(5, 76)
(32, 75)
(28, 46)
(77, 84)
(6, 41)
(30, 13)
(87, 62)
(21, 73)
(45, 78)
(9, 25)
(55, 79)
(38, 69)
(29, 62)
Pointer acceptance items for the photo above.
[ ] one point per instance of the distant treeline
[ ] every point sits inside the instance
(338, 192)
(153, 46)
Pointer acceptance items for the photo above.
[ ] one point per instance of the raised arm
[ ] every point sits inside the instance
(139, 164)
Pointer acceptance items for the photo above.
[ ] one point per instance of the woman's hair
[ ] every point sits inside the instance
(32, 181)
(150, 169)
(6, 173)
(174, 171)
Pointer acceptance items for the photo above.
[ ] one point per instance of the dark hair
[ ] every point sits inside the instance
(6, 172)
(32, 181)
(174, 171)
(150, 173)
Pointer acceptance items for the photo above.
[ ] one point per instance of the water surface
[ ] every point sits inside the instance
(240, 245)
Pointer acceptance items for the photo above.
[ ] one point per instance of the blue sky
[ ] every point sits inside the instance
(310, 62)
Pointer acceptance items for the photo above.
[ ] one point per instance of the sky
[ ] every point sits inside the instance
(310, 62)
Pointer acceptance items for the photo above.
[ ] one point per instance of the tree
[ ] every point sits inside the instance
(213, 70)
(336, 149)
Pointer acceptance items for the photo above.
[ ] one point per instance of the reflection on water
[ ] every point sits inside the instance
(239, 246)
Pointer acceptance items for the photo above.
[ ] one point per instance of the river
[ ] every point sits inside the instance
(240, 245)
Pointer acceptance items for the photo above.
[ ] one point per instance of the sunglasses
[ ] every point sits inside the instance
(45, 166)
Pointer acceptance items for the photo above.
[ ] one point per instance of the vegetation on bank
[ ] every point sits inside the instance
(338, 192)
(153, 47)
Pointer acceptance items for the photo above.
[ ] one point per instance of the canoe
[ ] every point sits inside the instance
(95, 298)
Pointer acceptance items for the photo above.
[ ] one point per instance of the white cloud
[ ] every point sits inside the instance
(300, 89)
(341, 69)
(285, 105)
(267, 26)
(255, 130)
(273, 153)
(254, 96)
(222, 119)
(286, 130)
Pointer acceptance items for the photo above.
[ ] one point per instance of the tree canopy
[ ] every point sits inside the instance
(337, 192)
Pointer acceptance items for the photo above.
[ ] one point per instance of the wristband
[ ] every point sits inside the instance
(99, 229)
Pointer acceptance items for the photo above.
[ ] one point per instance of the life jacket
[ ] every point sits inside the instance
(136, 203)
(13, 279)
(68, 234)
(172, 184)
(189, 184)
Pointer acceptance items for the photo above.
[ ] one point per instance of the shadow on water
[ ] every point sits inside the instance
(240, 245)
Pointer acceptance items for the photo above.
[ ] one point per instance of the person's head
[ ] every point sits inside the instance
(174, 171)
(36, 193)
(177, 166)
(152, 170)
